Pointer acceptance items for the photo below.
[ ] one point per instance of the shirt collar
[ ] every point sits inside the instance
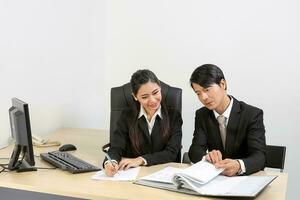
(143, 112)
(227, 111)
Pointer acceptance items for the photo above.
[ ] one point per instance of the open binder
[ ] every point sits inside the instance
(204, 179)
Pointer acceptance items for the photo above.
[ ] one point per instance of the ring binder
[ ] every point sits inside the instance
(203, 179)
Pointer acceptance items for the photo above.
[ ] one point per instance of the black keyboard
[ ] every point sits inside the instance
(67, 161)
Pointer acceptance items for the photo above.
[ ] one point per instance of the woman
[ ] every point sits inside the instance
(148, 133)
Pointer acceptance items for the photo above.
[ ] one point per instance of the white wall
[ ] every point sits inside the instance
(52, 56)
(63, 56)
(256, 43)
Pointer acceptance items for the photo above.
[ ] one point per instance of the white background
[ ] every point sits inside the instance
(63, 56)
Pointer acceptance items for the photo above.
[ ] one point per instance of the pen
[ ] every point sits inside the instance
(108, 157)
(109, 160)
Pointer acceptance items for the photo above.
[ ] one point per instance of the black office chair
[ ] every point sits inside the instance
(121, 98)
(275, 157)
(186, 158)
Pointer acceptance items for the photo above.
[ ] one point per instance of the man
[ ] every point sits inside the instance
(228, 133)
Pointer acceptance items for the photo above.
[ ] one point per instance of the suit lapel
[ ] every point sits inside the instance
(232, 127)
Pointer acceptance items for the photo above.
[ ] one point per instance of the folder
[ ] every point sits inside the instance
(204, 179)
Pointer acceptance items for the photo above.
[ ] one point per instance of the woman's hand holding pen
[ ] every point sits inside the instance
(111, 168)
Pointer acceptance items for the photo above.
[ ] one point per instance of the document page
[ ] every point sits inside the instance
(165, 175)
(128, 175)
(221, 185)
(200, 172)
(247, 186)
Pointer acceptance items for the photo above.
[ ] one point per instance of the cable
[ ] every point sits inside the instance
(4, 168)
(19, 162)
(3, 164)
(46, 167)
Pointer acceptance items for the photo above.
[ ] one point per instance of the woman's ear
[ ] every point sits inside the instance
(134, 96)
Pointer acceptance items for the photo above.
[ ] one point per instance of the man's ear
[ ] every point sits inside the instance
(223, 84)
(134, 96)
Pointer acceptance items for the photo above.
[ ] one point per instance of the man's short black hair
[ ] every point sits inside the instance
(206, 75)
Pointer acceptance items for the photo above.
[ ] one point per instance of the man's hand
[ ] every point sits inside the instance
(127, 163)
(231, 167)
(214, 156)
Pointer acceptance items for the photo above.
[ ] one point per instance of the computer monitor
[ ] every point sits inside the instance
(22, 158)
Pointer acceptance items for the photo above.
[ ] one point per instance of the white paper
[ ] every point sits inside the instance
(220, 185)
(201, 172)
(128, 175)
(165, 175)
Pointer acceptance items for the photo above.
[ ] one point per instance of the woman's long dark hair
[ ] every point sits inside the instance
(138, 79)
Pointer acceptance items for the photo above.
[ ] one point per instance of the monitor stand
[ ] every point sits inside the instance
(25, 167)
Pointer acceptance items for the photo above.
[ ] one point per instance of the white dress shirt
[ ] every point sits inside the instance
(226, 114)
(152, 120)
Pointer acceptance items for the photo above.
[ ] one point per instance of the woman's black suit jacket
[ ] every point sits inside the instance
(245, 136)
(153, 148)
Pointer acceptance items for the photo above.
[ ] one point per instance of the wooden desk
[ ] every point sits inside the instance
(88, 144)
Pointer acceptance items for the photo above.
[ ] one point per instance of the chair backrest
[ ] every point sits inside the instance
(275, 157)
(186, 158)
(121, 98)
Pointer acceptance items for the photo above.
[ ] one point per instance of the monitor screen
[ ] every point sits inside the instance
(22, 158)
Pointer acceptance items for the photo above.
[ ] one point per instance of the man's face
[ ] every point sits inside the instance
(213, 96)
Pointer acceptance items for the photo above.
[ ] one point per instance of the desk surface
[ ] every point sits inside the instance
(88, 144)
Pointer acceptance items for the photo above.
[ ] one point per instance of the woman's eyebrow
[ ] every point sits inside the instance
(144, 95)
(156, 90)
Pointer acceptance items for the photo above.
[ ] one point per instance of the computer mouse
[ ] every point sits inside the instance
(67, 147)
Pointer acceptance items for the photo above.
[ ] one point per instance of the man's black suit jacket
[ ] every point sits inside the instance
(153, 148)
(245, 136)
